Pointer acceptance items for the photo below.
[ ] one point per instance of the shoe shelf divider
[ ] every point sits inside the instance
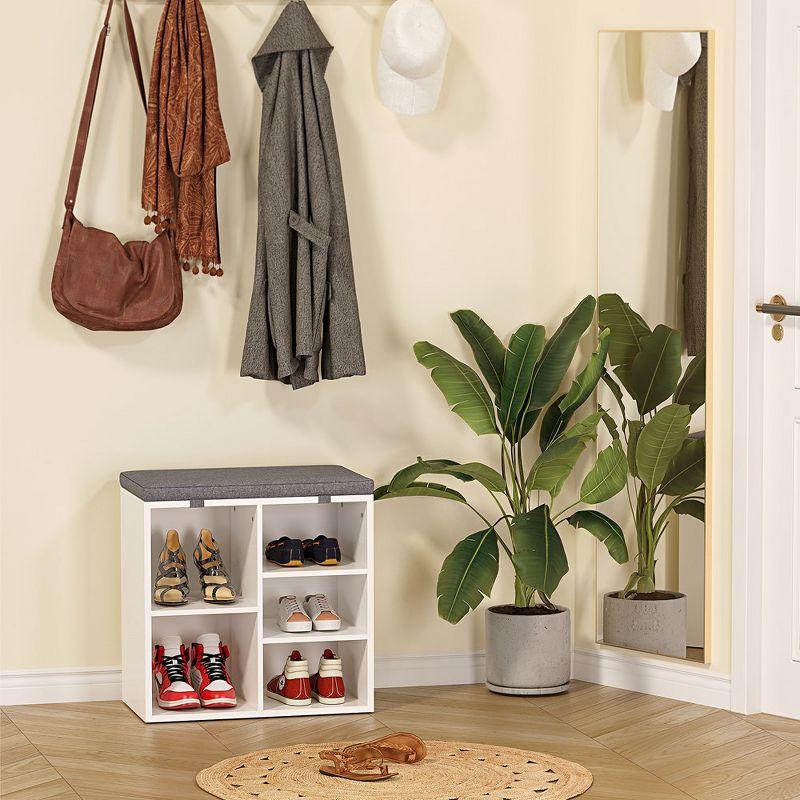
(245, 508)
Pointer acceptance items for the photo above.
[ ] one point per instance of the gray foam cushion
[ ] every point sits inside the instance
(226, 483)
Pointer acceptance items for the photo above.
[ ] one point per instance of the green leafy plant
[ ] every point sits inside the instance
(514, 402)
(666, 465)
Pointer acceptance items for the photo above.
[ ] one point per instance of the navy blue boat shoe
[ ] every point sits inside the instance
(323, 551)
(285, 552)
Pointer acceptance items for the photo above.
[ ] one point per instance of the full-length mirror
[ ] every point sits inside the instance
(654, 233)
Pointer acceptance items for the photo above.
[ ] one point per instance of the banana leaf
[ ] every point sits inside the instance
(608, 476)
(552, 468)
(539, 556)
(687, 471)
(462, 388)
(616, 390)
(553, 423)
(691, 390)
(693, 508)
(467, 575)
(419, 490)
(588, 379)
(484, 474)
(407, 475)
(523, 352)
(634, 429)
(660, 441)
(604, 529)
(656, 369)
(627, 328)
(558, 353)
(489, 351)
(586, 428)
(610, 423)
(488, 477)
(528, 421)
(560, 412)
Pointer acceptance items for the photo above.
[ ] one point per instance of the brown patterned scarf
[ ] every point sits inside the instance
(186, 139)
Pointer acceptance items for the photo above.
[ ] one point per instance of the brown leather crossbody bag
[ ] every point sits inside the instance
(99, 282)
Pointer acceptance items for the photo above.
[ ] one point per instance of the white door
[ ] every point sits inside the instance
(780, 661)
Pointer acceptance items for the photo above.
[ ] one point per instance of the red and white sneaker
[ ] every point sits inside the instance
(171, 673)
(209, 673)
(327, 685)
(292, 686)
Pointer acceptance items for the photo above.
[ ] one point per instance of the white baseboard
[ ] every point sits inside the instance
(441, 669)
(30, 687)
(677, 680)
(33, 686)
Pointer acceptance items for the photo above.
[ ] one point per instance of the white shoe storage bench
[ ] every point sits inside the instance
(245, 508)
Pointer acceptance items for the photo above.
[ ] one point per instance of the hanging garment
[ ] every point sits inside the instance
(185, 137)
(695, 277)
(99, 282)
(303, 312)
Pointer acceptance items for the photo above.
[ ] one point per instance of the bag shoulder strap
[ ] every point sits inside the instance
(91, 95)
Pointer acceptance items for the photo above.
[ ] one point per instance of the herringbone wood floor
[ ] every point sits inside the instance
(638, 747)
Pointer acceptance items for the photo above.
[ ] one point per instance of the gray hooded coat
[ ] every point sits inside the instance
(304, 312)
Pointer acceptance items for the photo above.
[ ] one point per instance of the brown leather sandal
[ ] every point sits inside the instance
(356, 763)
(402, 748)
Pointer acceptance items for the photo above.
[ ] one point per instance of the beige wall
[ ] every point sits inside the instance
(488, 204)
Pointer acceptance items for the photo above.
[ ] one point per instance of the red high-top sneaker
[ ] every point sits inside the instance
(210, 675)
(327, 685)
(171, 674)
(292, 686)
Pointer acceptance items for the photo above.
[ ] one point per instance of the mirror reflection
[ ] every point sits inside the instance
(654, 262)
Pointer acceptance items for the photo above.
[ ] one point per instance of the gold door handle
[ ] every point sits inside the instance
(778, 309)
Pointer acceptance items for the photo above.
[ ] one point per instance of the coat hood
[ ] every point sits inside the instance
(294, 30)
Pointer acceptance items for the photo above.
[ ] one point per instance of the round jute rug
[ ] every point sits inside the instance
(451, 771)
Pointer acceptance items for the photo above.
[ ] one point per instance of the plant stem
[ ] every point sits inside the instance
(488, 524)
(494, 528)
(521, 466)
(630, 497)
(505, 517)
(516, 488)
(546, 601)
(503, 461)
(508, 552)
(665, 513)
(519, 586)
(564, 511)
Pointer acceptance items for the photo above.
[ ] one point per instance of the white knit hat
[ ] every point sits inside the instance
(412, 57)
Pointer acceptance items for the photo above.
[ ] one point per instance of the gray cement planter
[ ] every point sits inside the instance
(652, 626)
(528, 655)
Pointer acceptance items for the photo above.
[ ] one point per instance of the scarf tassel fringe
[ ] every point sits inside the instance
(193, 264)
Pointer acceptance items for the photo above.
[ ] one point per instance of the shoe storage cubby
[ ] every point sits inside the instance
(238, 631)
(235, 532)
(346, 593)
(355, 661)
(307, 520)
(245, 509)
